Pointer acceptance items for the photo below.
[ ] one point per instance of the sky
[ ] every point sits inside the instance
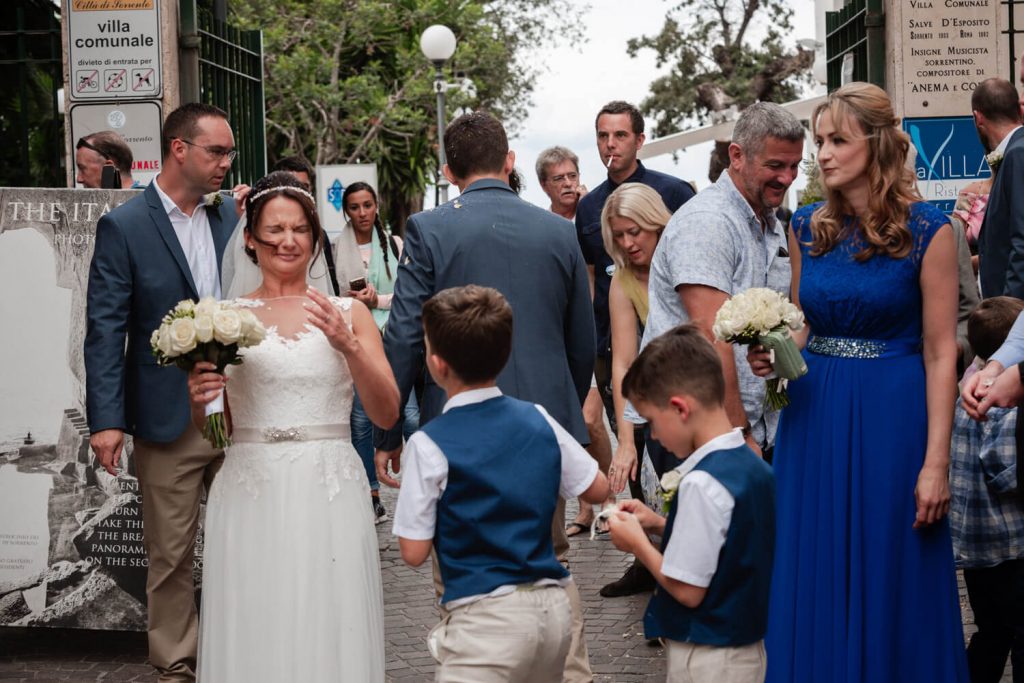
(578, 81)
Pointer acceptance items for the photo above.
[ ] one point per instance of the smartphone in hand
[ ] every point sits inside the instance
(357, 285)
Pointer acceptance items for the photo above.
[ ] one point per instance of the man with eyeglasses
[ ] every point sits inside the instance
(95, 151)
(558, 170)
(156, 249)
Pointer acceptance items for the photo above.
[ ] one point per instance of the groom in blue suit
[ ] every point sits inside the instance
(997, 117)
(153, 251)
(489, 236)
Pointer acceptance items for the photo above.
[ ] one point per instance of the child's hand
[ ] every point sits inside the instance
(649, 520)
(627, 534)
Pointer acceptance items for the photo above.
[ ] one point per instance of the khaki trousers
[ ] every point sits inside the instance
(519, 637)
(577, 662)
(172, 477)
(692, 663)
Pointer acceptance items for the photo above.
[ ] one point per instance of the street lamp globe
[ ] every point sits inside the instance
(437, 43)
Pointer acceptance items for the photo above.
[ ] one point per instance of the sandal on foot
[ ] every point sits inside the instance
(576, 528)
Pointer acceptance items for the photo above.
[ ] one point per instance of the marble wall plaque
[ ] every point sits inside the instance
(948, 48)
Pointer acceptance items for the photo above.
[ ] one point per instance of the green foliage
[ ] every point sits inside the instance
(30, 124)
(346, 81)
(814, 191)
(715, 63)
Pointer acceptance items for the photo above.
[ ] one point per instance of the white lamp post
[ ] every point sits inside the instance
(438, 45)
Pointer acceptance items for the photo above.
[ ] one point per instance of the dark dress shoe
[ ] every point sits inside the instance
(636, 580)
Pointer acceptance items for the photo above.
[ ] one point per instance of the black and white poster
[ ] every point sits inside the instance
(71, 548)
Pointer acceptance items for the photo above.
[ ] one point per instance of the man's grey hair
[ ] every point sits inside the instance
(763, 120)
(554, 155)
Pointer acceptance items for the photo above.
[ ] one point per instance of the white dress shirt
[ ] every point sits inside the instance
(196, 241)
(703, 514)
(1001, 147)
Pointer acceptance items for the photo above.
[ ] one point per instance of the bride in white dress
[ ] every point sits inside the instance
(291, 576)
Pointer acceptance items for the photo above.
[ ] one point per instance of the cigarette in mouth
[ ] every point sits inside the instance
(609, 164)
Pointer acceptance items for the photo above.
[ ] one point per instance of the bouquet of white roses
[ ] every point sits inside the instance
(211, 331)
(763, 316)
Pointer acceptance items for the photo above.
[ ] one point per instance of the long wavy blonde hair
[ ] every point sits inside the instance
(893, 187)
(636, 202)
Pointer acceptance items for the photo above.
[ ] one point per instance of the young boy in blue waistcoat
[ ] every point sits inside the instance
(480, 486)
(714, 567)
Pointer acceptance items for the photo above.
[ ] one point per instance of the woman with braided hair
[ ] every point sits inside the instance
(366, 254)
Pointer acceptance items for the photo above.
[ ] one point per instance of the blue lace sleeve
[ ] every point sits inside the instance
(925, 221)
(801, 224)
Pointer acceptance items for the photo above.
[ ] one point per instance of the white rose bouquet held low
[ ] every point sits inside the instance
(763, 316)
(211, 331)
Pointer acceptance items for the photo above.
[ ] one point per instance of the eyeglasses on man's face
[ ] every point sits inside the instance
(216, 152)
(571, 177)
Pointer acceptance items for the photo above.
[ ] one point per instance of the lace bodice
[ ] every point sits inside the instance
(879, 298)
(289, 380)
(293, 379)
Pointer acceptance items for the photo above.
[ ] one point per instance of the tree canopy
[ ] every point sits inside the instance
(717, 65)
(346, 81)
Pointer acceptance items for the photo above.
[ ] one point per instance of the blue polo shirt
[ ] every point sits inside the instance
(674, 192)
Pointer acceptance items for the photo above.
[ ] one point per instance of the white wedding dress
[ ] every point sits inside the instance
(291, 574)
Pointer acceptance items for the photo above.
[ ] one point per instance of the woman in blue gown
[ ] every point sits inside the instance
(863, 587)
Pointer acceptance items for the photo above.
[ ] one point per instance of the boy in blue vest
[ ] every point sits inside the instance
(714, 567)
(480, 486)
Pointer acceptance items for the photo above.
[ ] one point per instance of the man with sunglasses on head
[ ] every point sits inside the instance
(158, 248)
(97, 150)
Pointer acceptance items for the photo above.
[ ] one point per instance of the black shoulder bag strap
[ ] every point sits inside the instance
(331, 270)
(394, 246)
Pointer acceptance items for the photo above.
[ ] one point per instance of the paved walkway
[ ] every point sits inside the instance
(618, 651)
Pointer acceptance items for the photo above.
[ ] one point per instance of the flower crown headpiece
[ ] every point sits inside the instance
(278, 188)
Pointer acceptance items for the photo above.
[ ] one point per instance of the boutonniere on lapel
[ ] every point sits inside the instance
(994, 159)
(669, 486)
(213, 200)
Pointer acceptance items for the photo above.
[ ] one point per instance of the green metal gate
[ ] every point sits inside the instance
(31, 72)
(856, 33)
(226, 67)
(1013, 29)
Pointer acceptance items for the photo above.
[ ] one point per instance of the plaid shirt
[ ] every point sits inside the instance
(986, 519)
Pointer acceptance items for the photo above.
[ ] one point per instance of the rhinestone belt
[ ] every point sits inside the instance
(848, 347)
(340, 430)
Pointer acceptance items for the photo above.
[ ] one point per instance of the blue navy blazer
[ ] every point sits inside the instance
(1001, 241)
(489, 236)
(138, 273)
